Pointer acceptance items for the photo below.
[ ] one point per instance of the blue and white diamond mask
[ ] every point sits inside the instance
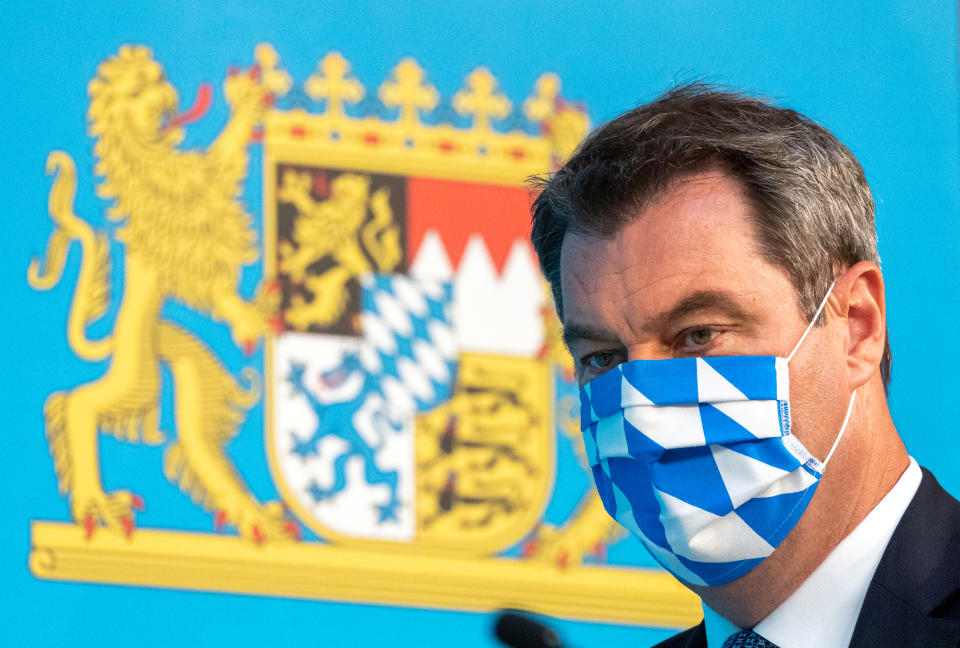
(694, 456)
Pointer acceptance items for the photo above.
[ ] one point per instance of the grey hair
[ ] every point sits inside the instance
(813, 210)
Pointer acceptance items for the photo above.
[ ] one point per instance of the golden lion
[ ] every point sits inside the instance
(185, 237)
(333, 229)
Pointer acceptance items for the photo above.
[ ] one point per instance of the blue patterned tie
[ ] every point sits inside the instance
(747, 639)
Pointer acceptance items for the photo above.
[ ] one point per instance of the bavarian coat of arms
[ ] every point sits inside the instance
(405, 379)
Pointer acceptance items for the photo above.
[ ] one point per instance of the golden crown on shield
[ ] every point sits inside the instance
(560, 124)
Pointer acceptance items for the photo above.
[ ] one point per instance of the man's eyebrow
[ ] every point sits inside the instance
(702, 300)
(575, 332)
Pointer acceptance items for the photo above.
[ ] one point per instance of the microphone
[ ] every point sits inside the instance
(517, 630)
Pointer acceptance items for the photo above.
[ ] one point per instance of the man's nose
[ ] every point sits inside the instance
(648, 350)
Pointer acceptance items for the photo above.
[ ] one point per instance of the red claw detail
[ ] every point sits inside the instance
(88, 526)
(599, 550)
(254, 72)
(530, 549)
(269, 100)
(127, 522)
(563, 560)
(248, 347)
(258, 536)
(136, 502)
(292, 530)
(219, 519)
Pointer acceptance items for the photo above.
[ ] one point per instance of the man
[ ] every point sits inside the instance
(713, 261)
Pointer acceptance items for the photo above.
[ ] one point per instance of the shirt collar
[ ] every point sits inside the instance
(833, 594)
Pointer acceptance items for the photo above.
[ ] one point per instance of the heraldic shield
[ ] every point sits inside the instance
(413, 384)
(408, 402)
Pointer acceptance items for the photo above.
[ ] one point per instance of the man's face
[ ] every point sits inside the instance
(686, 278)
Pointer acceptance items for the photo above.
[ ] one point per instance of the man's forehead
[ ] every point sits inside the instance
(702, 182)
(694, 215)
(696, 238)
(710, 193)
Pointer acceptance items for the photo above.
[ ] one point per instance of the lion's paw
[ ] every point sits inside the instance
(244, 90)
(116, 510)
(259, 523)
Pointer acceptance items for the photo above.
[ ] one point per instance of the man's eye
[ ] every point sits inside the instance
(600, 360)
(698, 337)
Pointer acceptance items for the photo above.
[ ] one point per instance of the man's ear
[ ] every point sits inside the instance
(866, 315)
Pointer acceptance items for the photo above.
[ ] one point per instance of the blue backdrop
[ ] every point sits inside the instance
(881, 74)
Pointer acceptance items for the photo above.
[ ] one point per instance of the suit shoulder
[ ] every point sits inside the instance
(914, 595)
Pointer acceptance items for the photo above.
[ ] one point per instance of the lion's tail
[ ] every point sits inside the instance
(92, 296)
(54, 411)
(381, 235)
(210, 408)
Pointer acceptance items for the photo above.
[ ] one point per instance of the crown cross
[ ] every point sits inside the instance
(330, 82)
(409, 91)
(275, 79)
(541, 106)
(481, 99)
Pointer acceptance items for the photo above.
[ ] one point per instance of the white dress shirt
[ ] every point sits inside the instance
(823, 611)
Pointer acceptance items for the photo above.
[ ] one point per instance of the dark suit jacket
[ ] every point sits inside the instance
(914, 597)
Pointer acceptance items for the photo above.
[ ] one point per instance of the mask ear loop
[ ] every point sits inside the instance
(812, 321)
(846, 418)
(843, 428)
